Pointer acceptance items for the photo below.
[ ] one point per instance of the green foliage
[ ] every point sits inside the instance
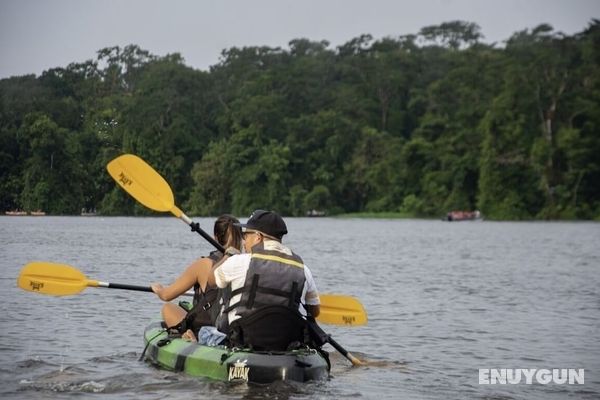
(453, 33)
(50, 169)
(297, 206)
(318, 199)
(210, 193)
(411, 205)
(417, 126)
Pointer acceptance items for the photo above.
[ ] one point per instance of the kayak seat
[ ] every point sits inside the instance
(270, 328)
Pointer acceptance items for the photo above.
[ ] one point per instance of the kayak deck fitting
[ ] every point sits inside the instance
(227, 364)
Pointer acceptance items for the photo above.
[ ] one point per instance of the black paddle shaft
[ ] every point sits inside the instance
(320, 338)
(196, 228)
(129, 287)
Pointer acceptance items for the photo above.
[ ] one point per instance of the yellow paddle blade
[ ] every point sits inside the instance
(341, 310)
(53, 279)
(143, 183)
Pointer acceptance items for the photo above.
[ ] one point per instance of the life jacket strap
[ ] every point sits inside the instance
(253, 288)
(292, 295)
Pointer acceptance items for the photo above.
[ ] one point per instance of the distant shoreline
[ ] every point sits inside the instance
(356, 215)
(380, 215)
(399, 215)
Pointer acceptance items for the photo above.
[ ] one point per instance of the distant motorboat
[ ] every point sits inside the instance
(463, 216)
(315, 213)
(88, 212)
(19, 213)
(16, 213)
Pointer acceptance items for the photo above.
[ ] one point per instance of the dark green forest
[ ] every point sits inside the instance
(418, 125)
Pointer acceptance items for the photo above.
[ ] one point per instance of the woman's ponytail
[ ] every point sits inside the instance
(227, 233)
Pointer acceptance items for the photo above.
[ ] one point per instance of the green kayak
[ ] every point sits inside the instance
(226, 364)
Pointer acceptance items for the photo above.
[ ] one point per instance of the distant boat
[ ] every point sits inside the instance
(315, 213)
(21, 213)
(463, 216)
(88, 212)
(16, 213)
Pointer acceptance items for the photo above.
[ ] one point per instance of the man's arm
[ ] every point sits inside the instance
(311, 299)
(313, 310)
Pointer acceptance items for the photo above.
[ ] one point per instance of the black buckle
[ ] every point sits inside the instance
(206, 306)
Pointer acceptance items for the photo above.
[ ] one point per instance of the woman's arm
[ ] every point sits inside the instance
(186, 280)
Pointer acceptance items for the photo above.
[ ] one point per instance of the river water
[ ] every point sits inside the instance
(444, 300)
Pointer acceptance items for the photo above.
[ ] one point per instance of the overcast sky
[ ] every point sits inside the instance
(36, 35)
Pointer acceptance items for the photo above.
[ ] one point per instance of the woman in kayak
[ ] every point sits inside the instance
(199, 275)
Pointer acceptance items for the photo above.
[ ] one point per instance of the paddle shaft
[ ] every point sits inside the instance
(344, 352)
(123, 286)
(196, 228)
(319, 336)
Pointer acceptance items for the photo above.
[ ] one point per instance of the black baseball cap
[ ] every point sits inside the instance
(267, 222)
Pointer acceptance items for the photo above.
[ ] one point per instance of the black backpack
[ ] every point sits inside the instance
(270, 328)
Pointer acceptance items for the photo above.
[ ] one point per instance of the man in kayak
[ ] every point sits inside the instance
(199, 275)
(266, 289)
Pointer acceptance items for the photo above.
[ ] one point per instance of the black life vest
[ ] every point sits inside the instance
(205, 309)
(271, 294)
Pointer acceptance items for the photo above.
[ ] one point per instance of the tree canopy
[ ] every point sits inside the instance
(419, 124)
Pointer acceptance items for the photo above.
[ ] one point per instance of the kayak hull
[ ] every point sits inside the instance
(225, 364)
